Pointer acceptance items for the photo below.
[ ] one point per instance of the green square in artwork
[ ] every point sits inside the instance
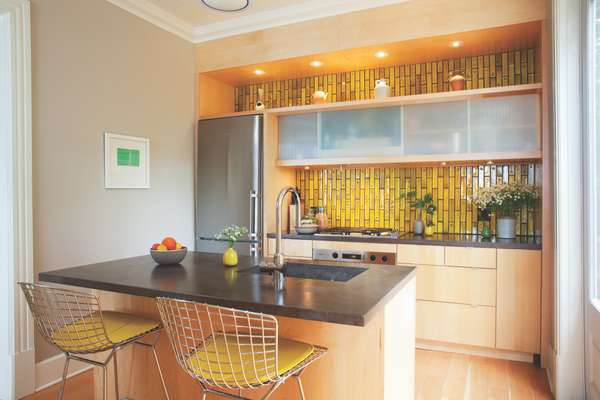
(128, 157)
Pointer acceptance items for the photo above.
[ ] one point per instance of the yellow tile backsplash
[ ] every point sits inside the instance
(370, 197)
(483, 71)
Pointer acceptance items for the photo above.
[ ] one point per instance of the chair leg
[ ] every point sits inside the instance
(116, 376)
(61, 391)
(104, 383)
(270, 392)
(299, 380)
(162, 378)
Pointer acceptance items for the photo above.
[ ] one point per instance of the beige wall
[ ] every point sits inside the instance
(97, 68)
(410, 20)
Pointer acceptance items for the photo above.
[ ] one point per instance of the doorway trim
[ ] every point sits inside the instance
(15, 31)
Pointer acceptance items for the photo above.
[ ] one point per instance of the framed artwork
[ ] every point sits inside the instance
(126, 162)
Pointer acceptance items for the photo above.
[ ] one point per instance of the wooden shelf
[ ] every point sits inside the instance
(394, 101)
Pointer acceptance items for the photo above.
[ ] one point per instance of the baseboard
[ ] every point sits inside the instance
(551, 368)
(473, 351)
(24, 373)
(49, 371)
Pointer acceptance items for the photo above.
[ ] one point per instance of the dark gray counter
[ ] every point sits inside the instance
(202, 277)
(446, 239)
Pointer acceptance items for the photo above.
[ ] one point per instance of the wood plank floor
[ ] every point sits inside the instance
(451, 376)
(439, 375)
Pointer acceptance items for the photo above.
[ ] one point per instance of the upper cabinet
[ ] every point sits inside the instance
(445, 128)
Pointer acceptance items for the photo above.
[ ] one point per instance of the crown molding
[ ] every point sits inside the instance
(310, 10)
(313, 9)
(157, 16)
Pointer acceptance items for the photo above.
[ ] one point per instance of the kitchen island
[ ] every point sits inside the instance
(367, 323)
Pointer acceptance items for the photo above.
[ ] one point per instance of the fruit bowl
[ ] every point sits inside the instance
(168, 257)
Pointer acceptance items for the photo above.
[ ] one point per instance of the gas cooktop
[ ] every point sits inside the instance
(361, 232)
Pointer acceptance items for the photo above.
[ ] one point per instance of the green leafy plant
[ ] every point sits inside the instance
(232, 234)
(506, 198)
(423, 204)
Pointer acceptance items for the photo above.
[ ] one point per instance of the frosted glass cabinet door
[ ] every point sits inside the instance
(436, 128)
(505, 124)
(361, 133)
(298, 137)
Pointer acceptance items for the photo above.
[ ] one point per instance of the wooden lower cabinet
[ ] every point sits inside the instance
(456, 323)
(472, 286)
(470, 257)
(292, 248)
(519, 300)
(418, 254)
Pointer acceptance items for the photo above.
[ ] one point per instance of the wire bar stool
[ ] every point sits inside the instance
(74, 323)
(229, 349)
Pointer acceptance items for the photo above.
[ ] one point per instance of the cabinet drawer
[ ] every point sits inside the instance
(470, 257)
(293, 248)
(456, 323)
(377, 247)
(418, 255)
(473, 286)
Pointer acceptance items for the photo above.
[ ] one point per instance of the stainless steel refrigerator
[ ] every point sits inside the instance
(229, 177)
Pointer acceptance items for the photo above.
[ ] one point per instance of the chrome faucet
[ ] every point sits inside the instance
(278, 258)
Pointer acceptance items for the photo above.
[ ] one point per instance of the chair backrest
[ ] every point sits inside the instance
(221, 346)
(70, 320)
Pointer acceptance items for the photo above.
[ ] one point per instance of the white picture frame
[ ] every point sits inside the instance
(126, 162)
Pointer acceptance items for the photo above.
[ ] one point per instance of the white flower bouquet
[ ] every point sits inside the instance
(506, 198)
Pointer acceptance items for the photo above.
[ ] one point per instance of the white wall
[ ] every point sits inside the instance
(97, 68)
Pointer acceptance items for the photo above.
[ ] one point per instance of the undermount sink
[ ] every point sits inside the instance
(319, 272)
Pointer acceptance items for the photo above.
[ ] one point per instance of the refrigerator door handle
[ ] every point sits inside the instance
(253, 220)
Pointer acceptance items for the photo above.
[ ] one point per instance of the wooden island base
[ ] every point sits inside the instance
(374, 362)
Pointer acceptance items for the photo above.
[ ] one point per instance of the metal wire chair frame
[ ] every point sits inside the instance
(192, 327)
(49, 317)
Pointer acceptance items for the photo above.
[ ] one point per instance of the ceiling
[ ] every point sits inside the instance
(485, 41)
(192, 20)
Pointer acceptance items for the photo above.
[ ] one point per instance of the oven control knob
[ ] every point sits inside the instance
(373, 258)
(384, 259)
(335, 254)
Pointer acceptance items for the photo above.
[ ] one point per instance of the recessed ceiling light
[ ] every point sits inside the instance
(316, 63)
(227, 5)
(489, 162)
(259, 72)
(381, 54)
(456, 43)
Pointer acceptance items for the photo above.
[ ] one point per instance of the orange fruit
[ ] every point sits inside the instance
(161, 247)
(170, 243)
(155, 245)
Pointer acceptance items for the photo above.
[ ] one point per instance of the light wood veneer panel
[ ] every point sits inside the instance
(519, 300)
(471, 257)
(473, 286)
(293, 248)
(456, 323)
(417, 254)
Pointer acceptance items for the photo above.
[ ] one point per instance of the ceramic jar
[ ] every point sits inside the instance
(419, 227)
(319, 97)
(382, 90)
(505, 228)
(457, 82)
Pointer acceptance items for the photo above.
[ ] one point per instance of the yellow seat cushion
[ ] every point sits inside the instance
(86, 335)
(291, 353)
